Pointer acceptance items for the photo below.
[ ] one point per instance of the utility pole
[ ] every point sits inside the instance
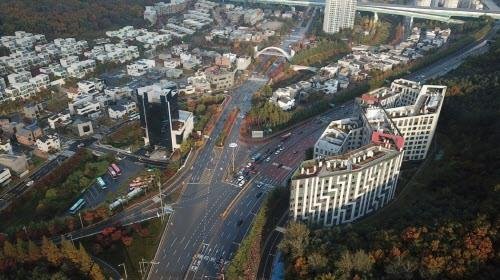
(161, 196)
(124, 269)
(81, 221)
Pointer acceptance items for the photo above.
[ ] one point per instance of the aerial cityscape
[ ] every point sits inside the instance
(249, 139)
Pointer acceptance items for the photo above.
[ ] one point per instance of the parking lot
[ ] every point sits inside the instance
(94, 195)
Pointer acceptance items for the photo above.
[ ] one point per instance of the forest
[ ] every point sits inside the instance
(47, 261)
(446, 225)
(83, 19)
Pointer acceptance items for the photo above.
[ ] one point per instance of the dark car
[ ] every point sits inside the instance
(239, 223)
(258, 195)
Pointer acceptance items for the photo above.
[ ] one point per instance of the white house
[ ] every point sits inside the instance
(48, 143)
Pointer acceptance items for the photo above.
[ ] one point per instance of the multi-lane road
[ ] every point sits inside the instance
(213, 214)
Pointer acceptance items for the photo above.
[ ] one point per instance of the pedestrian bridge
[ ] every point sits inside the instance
(302, 67)
(275, 51)
(432, 13)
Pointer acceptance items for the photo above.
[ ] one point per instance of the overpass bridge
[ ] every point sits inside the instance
(432, 13)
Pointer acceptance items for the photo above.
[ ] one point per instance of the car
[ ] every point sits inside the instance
(241, 178)
(268, 159)
(81, 145)
(259, 185)
(30, 183)
(295, 152)
(249, 165)
(240, 222)
(280, 165)
(258, 195)
(253, 171)
(241, 183)
(277, 152)
(281, 149)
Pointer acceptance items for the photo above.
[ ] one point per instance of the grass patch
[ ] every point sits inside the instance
(128, 136)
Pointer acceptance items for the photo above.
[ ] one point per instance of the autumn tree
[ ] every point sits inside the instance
(34, 253)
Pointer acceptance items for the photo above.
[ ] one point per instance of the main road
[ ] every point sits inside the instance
(207, 222)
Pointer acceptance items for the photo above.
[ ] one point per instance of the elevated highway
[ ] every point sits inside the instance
(432, 13)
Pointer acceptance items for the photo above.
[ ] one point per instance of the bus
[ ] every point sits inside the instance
(286, 136)
(111, 172)
(77, 206)
(101, 183)
(256, 157)
(116, 169)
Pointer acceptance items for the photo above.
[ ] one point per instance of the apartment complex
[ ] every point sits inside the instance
(339, 14)
(357, 159)
(341, 189)
(406, 106)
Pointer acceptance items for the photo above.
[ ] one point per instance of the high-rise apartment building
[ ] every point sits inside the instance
(163, 123)
(341, 189)
(339, 14)
(357, 159)
(411, 109)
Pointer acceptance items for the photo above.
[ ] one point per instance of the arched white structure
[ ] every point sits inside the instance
(275, 51)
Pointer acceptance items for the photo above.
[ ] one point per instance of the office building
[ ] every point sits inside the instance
(164, 124)
(339, 14)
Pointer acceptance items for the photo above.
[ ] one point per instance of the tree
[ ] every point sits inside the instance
(9, 250)
(22, 256)
(296, 240)
(51, 252)
(69, 250)
(84, 261)
(34, 253)
(96, 273)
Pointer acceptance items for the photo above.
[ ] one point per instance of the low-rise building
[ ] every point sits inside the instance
(5, 146)
(121, 109)
(59, 119)
(18, 165)
(83, 127)
(140, 67)
(28, 134)
(220, 78)
(48, 143)
(5, 177)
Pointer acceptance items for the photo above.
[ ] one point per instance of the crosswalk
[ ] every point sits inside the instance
(208, 254)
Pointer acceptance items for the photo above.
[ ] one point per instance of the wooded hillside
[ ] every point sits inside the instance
(444, 223)
(83, 19)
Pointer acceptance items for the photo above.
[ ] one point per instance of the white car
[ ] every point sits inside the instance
(249, 165)
(241, 178)
(268, 159)
(277, 152)
(241, 183)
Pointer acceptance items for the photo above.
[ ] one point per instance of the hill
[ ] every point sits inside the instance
(444, 223)
(84, 19)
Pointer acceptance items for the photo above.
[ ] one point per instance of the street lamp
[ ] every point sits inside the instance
(124, 269)
(233, 146)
